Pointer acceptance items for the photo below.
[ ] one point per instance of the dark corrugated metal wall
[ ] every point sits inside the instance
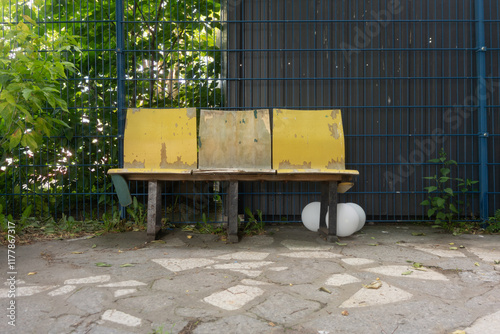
(403, 73)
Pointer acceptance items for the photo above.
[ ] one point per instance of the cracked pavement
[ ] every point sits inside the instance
(388, 278)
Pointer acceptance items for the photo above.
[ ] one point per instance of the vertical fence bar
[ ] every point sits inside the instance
(482, 113)
(120, 81)
(120, 73)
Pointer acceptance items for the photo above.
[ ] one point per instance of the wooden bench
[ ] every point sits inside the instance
(253, 145)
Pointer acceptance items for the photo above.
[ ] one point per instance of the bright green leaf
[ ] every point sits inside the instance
(448, 191)
(29, 19)
(431, 189)
(430, 212)
(7, 96)
(15, 139)
(31, 141)
(445, 171)
(439, 201)
(102, 264)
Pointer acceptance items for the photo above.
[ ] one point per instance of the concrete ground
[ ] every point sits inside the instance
(385, 279)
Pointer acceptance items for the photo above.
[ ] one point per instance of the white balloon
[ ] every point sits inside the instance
(310, 216)
(361, 214)
(348, 219)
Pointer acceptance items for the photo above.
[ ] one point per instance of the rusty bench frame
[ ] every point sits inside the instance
(332, 183)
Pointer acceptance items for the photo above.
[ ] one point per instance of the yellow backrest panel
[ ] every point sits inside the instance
(160, 139)
(235, 139)
(308, 140)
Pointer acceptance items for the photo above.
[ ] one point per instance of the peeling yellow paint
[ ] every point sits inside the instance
(308, 140)
(287, 165)
(133, 164)
(154, 137)
(336, 163)
(334, 130)
(336, 114)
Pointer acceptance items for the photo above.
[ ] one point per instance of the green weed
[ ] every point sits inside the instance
(443, 200)
(137, 212)
(255, 225)
(111, 222)
(494, 223)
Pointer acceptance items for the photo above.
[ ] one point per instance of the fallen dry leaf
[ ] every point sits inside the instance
(373, 285)
(32, 273)
(272, 324)
(325, 290)
(345, 313)
(76, 252)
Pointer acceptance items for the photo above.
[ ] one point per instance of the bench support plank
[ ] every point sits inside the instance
(329, 199)
(232, 219)
(154, 209)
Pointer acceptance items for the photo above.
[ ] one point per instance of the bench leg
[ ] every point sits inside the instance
(154, 210)
(329, 199)
(232, 219)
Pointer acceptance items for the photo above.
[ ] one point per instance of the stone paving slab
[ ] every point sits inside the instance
(287, 281)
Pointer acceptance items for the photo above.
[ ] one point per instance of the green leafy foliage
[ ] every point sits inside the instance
(443, 199)
(4, 220)
(172, 60)
(494, 223)
(208, 228)
(255, 225)
(30, 69)
(137, 212)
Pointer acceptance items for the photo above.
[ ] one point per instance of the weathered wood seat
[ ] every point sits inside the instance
(253, 145)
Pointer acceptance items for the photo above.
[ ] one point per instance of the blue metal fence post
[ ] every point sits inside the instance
(120, 77)
(482, 112)
(120, 91)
